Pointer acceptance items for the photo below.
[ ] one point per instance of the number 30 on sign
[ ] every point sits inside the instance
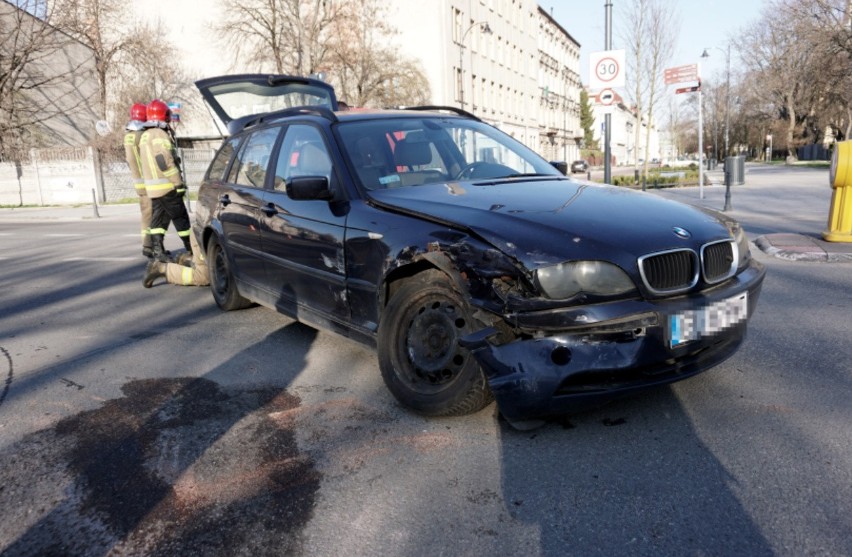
(606, 69)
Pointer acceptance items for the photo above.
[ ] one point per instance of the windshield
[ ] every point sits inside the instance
(399, 152)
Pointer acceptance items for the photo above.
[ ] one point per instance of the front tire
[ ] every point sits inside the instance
(222, 282)
(420, 358)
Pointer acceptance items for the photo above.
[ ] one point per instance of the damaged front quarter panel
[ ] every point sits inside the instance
(569, 359)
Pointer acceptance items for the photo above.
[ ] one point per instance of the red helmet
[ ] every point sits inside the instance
(138, 112)
(158, 111)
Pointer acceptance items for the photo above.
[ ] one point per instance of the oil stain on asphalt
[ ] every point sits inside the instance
(175, 467)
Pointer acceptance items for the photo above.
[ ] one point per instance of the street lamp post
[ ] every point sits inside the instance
(485, 28)
(727, 53)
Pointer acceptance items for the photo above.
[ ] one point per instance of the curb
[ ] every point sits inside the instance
(797, 247)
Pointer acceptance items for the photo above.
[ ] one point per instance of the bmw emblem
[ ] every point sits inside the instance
(681, 232)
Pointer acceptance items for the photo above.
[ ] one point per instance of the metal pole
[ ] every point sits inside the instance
(95, 204)
(727, 97)
(727, 124)
(700, 143)
(608, 117)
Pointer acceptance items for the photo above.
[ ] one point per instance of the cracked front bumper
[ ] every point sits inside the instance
(622, 347)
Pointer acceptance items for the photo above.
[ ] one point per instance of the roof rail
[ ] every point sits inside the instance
(242, 123)
(452, 109)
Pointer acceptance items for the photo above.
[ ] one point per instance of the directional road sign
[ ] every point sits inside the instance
(681, 74)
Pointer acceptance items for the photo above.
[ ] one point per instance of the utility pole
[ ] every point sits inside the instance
(608, 116)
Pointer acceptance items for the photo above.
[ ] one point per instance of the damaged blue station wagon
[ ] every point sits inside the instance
(476, 268)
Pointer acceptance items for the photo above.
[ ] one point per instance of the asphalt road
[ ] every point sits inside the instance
(140, 421)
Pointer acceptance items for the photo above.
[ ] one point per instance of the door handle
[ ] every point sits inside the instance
(269, 210)
(224, 200)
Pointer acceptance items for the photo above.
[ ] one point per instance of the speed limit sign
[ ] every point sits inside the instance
(606, 69)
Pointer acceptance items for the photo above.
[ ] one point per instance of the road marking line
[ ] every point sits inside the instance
(69, 235)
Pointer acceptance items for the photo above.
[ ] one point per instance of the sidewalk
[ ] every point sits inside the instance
(63, 213)
(784, 211)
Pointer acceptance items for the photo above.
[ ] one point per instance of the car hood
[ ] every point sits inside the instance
(545, 221)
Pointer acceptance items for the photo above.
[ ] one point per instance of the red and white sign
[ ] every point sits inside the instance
(606, 69)
(681, 74)
(606, 97)
(692, 89)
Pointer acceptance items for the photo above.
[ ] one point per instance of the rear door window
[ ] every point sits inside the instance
(249, 169)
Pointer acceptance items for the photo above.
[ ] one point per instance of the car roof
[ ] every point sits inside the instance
(249, 122)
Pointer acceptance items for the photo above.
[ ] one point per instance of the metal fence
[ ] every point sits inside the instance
(118, 184)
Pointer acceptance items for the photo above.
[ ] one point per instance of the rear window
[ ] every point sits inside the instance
(223, 157)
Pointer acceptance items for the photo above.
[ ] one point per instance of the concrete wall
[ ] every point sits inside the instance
(69, 176)
(50, 177)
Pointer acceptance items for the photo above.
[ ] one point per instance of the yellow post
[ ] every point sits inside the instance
(840, 178)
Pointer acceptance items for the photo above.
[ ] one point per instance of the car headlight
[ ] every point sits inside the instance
(568, 279)
(744, 255)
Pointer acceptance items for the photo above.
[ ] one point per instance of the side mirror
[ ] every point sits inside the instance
(309, 188)
(561, 166)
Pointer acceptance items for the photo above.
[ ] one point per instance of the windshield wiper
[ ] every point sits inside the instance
(532, 175)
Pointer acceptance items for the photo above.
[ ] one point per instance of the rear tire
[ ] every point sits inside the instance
(420, 358)
(222, 282)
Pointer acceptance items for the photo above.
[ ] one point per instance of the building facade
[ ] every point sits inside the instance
(559, 91)
(506, 61)
(49, 96)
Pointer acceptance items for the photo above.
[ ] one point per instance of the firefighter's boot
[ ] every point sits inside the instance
(153, 271)
(159, 252)
(187, 244)
(147, 246)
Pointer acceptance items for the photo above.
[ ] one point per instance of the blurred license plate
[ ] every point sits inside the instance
(709, 320)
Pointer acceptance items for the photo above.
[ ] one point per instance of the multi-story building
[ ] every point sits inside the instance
(506, 61)
(559, 89)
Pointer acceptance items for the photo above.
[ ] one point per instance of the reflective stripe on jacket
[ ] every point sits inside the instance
(159, 168)
(131, 155)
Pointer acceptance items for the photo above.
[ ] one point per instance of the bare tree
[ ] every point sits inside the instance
(43, 81)
(345, 40)
(285, 36)
(650, 33)
(101, 26)
(134, 62)
(366, 69)
(784, 69)
(826, 26)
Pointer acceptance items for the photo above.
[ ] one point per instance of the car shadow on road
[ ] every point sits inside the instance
(176, 466)
(612, 482)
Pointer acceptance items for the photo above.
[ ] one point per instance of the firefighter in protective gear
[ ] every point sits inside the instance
(163, 180)
(132, 135)
(187, 271)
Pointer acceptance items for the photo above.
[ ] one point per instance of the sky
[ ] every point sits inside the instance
(703, 24)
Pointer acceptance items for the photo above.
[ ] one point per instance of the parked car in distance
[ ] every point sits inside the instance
(474, 267)
(579, 166)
